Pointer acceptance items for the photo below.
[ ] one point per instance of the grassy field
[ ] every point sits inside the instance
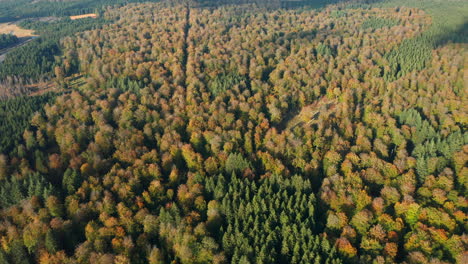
(7, 28)
(84, 16)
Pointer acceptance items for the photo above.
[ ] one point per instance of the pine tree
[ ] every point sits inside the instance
(71, 181)
(51, 243)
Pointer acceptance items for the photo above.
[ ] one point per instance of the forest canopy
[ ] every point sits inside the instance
(183, 132)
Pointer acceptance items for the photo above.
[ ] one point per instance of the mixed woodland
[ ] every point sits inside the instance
(188, 132)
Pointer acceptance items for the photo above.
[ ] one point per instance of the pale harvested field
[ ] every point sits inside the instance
(83, 16)
(7, 28)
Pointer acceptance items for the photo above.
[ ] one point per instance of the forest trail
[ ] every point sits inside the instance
(185, 47)
(42, 88)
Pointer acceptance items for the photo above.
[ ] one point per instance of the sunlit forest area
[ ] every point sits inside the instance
(235, 132)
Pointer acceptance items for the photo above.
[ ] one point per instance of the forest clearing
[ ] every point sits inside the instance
(92, 15)
(13, 28)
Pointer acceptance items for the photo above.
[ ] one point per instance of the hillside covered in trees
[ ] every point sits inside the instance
(192, 132)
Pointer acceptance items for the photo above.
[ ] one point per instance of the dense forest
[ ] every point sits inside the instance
(235, 132)
(36, 60)
(7, 40)
(14, 9)
(14, 117)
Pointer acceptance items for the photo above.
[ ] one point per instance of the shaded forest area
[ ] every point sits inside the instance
(243, 134)
(7, 40)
